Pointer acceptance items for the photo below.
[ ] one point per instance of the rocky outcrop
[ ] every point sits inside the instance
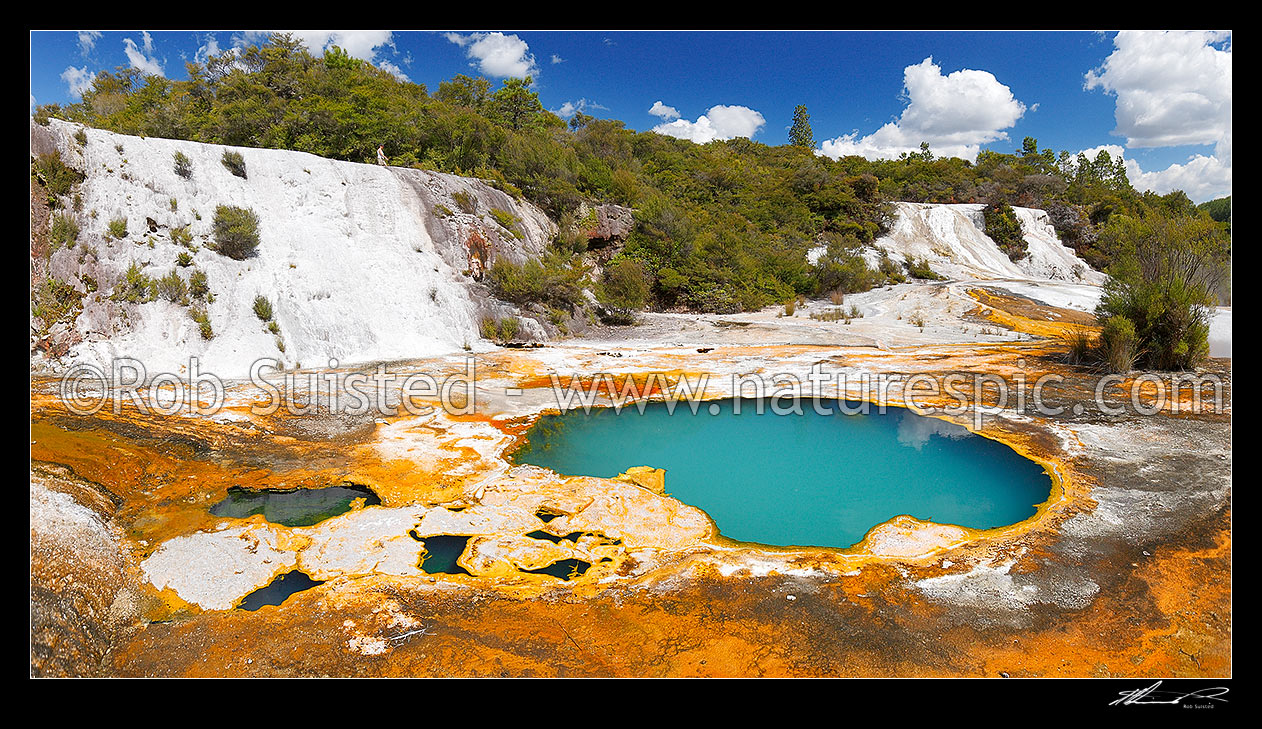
(605, 227)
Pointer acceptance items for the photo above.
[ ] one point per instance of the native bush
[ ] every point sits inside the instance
(234, 162)
(236, 232)
(1162, 286)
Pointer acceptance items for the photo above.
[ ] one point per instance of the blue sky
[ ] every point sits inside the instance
(1161, 99)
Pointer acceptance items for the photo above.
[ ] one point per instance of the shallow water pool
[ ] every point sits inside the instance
(800, 480)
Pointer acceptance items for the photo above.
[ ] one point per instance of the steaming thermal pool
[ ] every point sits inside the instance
(800, 480)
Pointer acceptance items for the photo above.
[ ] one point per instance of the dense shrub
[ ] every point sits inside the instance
(554, 280)
(1161, 288)
(624, 285)
(919, 268)
(55, 300)
(234, 162)
(236, 232)
(842, 268)
(56, 177)
(198, 285)
(501, 331)
(1004, 229)
(1119, 344)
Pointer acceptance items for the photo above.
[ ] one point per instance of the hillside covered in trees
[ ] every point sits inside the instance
(723, 226)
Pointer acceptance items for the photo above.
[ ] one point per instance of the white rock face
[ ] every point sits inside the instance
(360, 262)
(953, 240)
(216, 569)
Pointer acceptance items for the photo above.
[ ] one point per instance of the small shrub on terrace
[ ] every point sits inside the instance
(56, 176)
(117, 228)
(64, 232)
(236, 232)
(183, 166)
(262, 308)
(508, 328)
(172, 287)
(234, 162)
(489, 328)
(198, 285)
(919, 268)
(1081, 346)
(465, 201)
(136, 287)
(56, 300)
(508, 221)
(181, 236)
(200, 316)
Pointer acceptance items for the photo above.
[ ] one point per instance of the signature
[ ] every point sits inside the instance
(1151, 695)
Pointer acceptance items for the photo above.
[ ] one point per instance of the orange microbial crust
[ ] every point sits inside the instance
(704, 605)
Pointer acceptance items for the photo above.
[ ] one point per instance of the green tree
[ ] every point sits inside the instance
(800, 133)
(515, 103)
(472, 93)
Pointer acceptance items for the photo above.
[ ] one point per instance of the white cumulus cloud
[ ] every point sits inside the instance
(1202, 178)
(361, 44)
(365, 45)
(1173, 88)
(78, 80)
(393, 70)
(87, 41)
(207, 49)
(496, 54)
(720, 122)
(142, 57)
(570, 108)
(667, 113)
(955, 114)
